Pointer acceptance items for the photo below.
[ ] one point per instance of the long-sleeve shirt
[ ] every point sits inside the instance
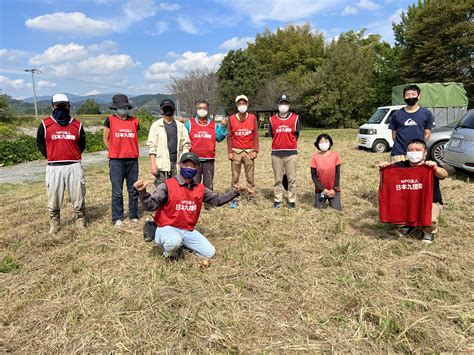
(159, 197)
(41, 140)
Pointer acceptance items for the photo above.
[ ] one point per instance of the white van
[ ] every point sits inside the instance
(375, 134)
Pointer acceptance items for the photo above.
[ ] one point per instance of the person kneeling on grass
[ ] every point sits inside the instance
(178, 202)
(326, 172)
(416, 155)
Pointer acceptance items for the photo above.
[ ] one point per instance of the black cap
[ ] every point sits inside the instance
(120, 101)
(189, 156)
(283, 98)
(167, 102)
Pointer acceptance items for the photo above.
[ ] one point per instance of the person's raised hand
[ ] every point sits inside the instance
(384, 164)
(430, 163)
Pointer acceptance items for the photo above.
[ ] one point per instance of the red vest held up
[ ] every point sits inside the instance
(183, 207)
(283, 131)
(242, 132)
(62, 143)
(406, 195)
(203, 139)
(123, 138)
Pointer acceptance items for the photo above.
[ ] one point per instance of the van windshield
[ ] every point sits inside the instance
(378, 116)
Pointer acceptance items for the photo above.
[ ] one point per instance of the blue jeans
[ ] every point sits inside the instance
(171, 239)
(120, 170)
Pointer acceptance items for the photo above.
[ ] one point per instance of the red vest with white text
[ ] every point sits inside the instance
(283, 131)
(123, 138)
(183, 207)
(242, 132)
(406, 195)
(203, 139)
(62, 143)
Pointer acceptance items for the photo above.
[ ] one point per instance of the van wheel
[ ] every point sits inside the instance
(437, 151)
(380, 146)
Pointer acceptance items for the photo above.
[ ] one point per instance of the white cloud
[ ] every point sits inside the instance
(105, 64)
(60, 53)
(278, 10)
(160, 28)
(103, 47)
(69, 22)
(46, 84)
(367, 5)
(186, 62)
(187, 26)
(93, 92)
(349, 10)
(165, 6)
(13, 55)
(13, 84)
(236, 43)
(384, 27)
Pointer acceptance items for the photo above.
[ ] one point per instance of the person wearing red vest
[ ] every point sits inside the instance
(61, 139)
(242, 145)
(203, 134)
(416, 156)
(178, 202)
(284, 128)
(121, 140)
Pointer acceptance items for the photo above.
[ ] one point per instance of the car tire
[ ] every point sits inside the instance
(437, 151)
(380, 146)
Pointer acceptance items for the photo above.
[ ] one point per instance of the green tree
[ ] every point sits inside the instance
(341, 93)
(436, 42)
(239, 73)
(89, 107)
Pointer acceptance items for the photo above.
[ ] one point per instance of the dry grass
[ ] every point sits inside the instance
(281, 280)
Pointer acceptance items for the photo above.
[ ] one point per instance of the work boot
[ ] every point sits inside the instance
(54, 226)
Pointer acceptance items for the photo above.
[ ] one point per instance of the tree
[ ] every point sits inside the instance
(89, 107)
(194, 85)
(341, 92)
(436, 42)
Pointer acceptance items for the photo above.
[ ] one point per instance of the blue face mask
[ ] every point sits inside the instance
(188, 173)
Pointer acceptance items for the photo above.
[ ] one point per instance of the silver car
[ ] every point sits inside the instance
(439, 137)
(459, 151)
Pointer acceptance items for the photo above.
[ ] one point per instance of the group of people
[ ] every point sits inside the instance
(182, 158)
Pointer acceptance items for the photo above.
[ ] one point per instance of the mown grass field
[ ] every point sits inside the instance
(281, 281)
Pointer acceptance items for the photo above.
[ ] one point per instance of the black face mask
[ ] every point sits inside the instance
(62, 115)
(168, 111)
(411, 101)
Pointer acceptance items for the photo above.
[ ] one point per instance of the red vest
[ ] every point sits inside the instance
(183, 207)
(62, 142)
(242, 132)
(283, 131)
(123, 138)
(203, 139)
(406, 195)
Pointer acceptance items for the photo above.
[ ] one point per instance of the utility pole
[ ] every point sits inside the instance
(33, 72)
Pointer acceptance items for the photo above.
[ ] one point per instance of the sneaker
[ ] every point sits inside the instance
(291, 205)
(134, 220)
(118, 223)
(276, 204)
(405, 231)
(234, 204)
(428, 238)
(149, 230)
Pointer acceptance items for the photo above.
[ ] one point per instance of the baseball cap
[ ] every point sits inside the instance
(189, 156)
(283, 98)
(241, 97)
(167, 102)
(59, 98)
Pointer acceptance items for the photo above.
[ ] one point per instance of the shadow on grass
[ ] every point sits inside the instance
(368, 224)
(96, 212)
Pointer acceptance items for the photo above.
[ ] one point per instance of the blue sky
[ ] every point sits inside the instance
(133, 46)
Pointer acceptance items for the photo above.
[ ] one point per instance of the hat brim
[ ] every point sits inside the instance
(284, 100)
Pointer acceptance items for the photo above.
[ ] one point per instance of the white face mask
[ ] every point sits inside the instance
(202, 113)
(283, 109)
(415, 157)
(324, 146)
(242, 108)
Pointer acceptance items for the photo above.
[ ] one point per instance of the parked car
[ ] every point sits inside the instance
(439, 137)
(459, 151)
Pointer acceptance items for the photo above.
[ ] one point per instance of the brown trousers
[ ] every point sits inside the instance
(284, 165)
(239, 159)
